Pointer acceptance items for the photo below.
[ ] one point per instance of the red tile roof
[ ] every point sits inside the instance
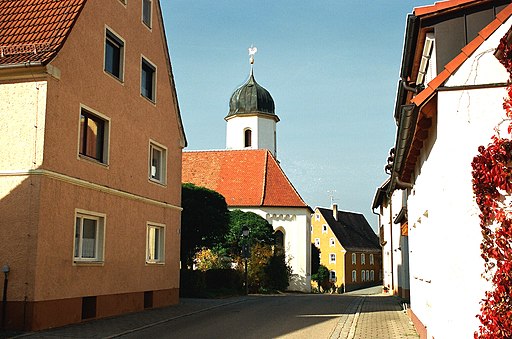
(466, 52)
(244, 177)
(35, 30)
(443, 6)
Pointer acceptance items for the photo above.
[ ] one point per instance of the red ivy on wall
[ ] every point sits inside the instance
(492, 183)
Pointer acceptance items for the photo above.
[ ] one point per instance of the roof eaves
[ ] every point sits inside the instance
(443, 6)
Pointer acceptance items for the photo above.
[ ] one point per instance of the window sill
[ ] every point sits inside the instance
(120, 80)
(155, 263)
(94, 161)
(159, 183)
(88, 263)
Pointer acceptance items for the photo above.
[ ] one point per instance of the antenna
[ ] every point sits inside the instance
(331, 196)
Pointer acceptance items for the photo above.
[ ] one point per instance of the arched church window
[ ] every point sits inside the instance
(279, 241)
(247, 138)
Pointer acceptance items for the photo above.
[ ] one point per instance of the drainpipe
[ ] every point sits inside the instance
(391, 241)
(6, 270)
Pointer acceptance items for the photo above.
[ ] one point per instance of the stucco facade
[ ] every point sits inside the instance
(47, 184)
(441, 124)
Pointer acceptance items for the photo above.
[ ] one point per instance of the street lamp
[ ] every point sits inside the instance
(245, 253)
(6, 271)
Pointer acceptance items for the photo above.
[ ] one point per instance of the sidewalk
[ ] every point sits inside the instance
(117, 326)
(371, 315)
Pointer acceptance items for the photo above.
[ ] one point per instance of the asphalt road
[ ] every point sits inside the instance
(286, 316)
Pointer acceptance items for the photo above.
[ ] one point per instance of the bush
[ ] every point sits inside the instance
(192, 283)
(223, 279)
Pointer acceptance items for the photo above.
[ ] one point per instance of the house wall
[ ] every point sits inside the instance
(443, 217)
(263, 132)
(317, 222)
(295, 223)
(43, 180)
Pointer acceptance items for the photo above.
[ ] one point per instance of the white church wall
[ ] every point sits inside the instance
(296, 226)
(263, 132)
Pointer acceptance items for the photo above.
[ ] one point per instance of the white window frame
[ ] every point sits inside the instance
(106, 136)
(332, 242)
(153, 145)
(324, 228)
(332, 258)
(363, 259)
(151, 228)
(367, 275)
(363, 275)
(150, 23)
(372, 275)
(354, 258)
(332, 276)
(354, 276)
(115, 35)
(371, 259)
(317, 242)
(143, 59)
(99, 241)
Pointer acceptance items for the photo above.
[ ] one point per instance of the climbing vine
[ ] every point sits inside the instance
(492, 185)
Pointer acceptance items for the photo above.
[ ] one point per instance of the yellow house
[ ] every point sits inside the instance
(348, 246)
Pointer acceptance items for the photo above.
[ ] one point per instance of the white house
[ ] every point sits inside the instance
(449, 101)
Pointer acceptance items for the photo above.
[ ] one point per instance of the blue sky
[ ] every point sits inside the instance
(331, 66)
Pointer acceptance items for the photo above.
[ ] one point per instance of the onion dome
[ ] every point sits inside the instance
(251, 98)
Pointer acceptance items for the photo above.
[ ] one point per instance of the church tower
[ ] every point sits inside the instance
(251, 121)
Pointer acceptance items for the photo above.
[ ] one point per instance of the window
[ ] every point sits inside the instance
(146, 12)
(317, 242)
(247, 138)
(363, 259)
(371, 259)
(324, 228)
(332, 258)
(155, 243)
(354, 258)
(362, 275)
(123, 1)
(317, 216)
(332, 276)
(332, 242)
(354, 276)
(157, 163)
(114, 55)
(372, 275)
(93, 136)
(367, 275)
(89, 234)
(147, 82)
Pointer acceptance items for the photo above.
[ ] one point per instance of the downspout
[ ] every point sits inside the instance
(391, 242)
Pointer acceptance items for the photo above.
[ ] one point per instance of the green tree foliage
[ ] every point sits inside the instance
(260, 231)
(278, 272)
(315, 258)
(322, 279)
(204, 220)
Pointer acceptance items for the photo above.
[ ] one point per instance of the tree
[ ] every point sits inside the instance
(322, 279)
(204, 220)
(260, 231)
(315, 258)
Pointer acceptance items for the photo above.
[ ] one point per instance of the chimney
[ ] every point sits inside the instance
(335, 211)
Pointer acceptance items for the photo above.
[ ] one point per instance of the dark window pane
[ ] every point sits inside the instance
(147, 81)
(146, 12)
(113, 54)
(92, 131)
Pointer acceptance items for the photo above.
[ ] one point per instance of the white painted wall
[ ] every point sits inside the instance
(263, 132)
(295, 223)
(444, 233)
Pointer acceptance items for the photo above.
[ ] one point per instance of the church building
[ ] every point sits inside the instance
(249, 176)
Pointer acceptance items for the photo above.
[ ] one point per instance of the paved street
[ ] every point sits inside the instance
(353, 315)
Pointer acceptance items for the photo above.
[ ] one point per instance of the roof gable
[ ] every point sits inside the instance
(352, 230)
(243, 177)
(35, 30)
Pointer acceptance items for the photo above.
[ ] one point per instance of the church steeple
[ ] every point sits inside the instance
(251, 121)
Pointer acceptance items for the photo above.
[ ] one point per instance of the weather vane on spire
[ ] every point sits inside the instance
(252, 51)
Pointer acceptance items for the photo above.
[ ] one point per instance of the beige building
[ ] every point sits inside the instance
(90, 161)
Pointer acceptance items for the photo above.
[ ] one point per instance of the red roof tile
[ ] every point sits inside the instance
(442, 6)
(34, 30)
(243, 177)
